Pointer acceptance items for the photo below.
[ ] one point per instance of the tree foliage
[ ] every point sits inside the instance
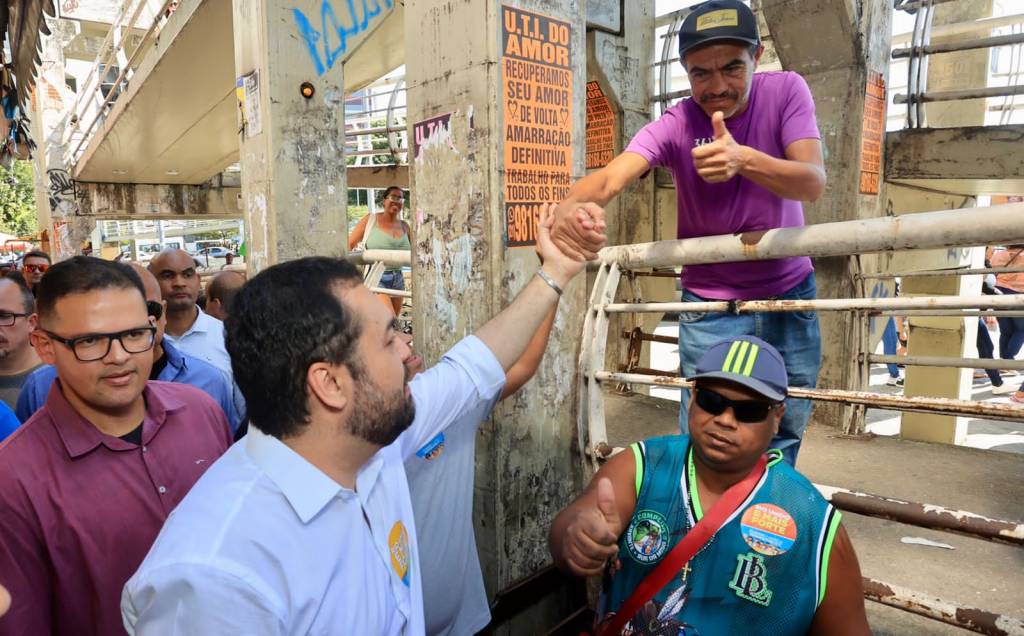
(18, 199)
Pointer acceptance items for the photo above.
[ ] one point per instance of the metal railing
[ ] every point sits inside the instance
(360, 133)
(929, 230)
(95, 99)
(376, 262)
(921, 47)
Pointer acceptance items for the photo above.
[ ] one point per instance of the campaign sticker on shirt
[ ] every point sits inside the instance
(768, 529)
(647, 537)
(398, 545)
(432, 449)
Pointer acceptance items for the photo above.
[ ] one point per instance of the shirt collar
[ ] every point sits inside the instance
(202, 324)
(80, 436)
(305, 486)
(175, 360)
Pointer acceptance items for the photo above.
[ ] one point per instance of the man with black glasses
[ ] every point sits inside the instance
(771, 557)
(17, 357)
(86, 482)
(169, 364)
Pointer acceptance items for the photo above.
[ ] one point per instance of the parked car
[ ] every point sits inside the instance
(215, 251)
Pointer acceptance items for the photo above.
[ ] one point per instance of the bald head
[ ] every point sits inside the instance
(149, 282)
(175, 271)
(220, 293)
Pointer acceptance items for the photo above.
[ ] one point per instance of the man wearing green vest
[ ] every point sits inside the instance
(778, 563)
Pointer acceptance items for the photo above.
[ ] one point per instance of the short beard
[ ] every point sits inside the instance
(378, 418)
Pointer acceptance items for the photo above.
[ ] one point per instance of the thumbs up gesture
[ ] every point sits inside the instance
(593, 535)
(721, 159)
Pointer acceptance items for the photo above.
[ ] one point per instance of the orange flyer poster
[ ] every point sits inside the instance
(873, 134)
(600, 128)
(537, 98)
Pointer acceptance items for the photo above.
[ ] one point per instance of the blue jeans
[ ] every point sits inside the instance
(986, 350)
(889, 346)
(393, 280)
(795, 334)
(1011, 332)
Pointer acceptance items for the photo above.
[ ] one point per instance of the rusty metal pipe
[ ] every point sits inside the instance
(651, 337)
(969, 618)
(1015, 301)
(943, 272)
(957, 363)
(401, 258)
(925, 230)
(963, 45)
(970, 313)
(941, 406)
(924, 515)
(397, 293)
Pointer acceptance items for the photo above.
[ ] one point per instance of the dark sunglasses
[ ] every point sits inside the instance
(746, 411)
(42, 267)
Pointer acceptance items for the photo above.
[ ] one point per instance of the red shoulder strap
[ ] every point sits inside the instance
(680, 555)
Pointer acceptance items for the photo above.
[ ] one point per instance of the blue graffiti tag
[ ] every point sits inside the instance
(332, 28)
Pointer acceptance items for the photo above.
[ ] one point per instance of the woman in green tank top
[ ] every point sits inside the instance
(387, 231)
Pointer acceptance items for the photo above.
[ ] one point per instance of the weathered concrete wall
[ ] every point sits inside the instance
(293, 165)
(964, 152)
(130, 199)
(463, 273)
(619, 63)
(850, 41)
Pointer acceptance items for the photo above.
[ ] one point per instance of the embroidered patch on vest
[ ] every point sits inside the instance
(749, 580)
(768, 529)
(647, 537)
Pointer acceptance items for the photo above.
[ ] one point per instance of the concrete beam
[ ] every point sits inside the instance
(377, 176)
(139, 200)
(966, 152)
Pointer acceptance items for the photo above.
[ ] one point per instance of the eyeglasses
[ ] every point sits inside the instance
(396, 198)
(42, 267)
(153, 308)
(96, 346)
(746, 411)
(7, 318)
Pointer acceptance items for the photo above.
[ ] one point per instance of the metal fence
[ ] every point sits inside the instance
(929, 230)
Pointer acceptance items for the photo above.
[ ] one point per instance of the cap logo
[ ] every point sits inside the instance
(718, 19)
(741, 358)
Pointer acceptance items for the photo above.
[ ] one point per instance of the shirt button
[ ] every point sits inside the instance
(161, 490)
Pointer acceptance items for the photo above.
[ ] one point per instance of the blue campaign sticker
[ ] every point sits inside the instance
(432, 449)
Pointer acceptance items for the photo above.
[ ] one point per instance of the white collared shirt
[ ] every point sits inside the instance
(265, 543)
(204, 340)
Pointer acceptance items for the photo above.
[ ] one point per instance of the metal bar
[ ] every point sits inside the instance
(1015, 301)
(660, 274)
(650, 337)
(970, 26)
(397, 293)
(917, 4)
(945, 272)
(952, 314)
(969, 618)
(925, 230)
(964, 45)
(956, 363)
(924, 515)
(380, 130)
(664, 97)
(388, 257)
(941, 406)
(952, 96)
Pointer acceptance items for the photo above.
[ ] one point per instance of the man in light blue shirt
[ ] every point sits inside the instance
(306, 525)
(169, 365)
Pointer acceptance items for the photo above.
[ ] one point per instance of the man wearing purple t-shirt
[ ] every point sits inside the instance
(744, 151)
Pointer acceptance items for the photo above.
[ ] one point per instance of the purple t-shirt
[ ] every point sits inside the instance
(780, 111)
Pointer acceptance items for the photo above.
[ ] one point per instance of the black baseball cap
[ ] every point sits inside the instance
(718, 20)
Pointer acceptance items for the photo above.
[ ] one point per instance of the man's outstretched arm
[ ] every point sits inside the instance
(508, 334)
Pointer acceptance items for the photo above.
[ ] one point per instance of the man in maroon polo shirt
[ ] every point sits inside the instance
(87, 482)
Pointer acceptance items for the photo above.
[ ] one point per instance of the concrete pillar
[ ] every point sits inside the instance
(57, 204)
(293, 165)
(617, 66)
(950, 337)
(842, 64)
(465, 72)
